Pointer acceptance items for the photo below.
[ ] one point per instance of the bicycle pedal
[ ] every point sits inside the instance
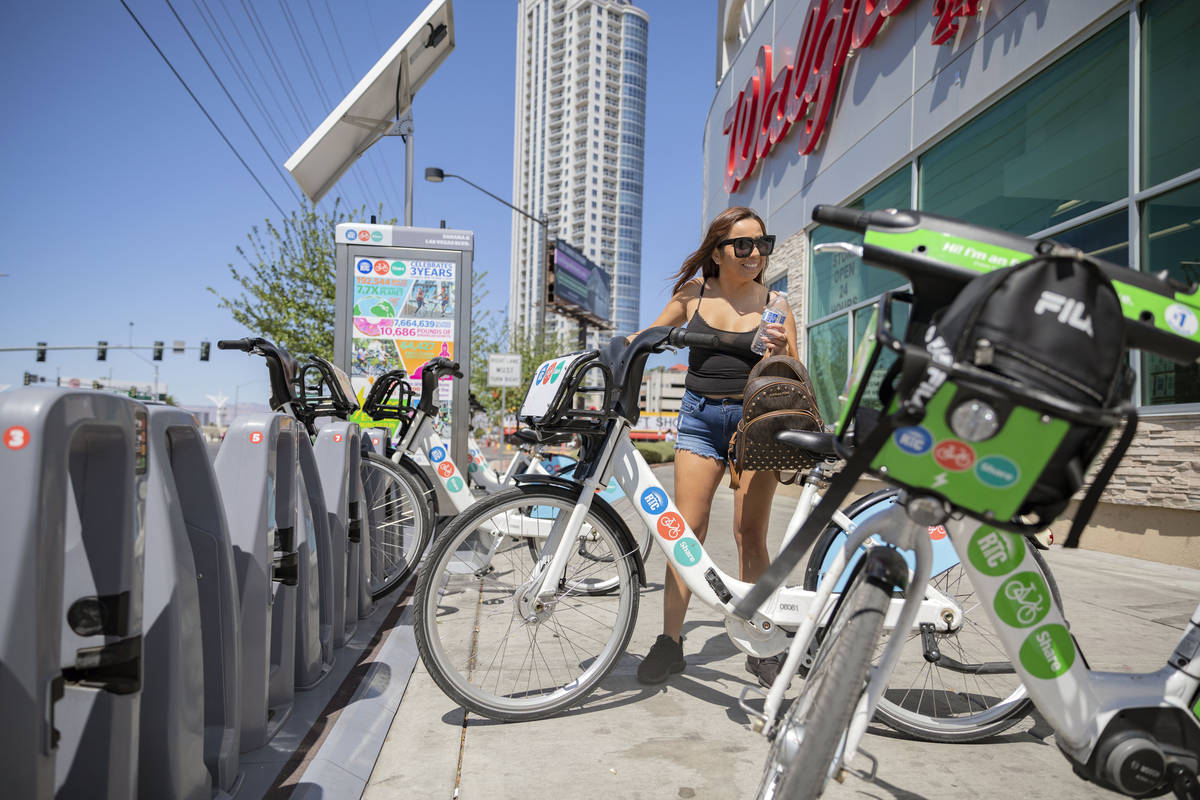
(869, 777)
(757, 718)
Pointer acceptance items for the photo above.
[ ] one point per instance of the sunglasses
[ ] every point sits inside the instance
(744, 245)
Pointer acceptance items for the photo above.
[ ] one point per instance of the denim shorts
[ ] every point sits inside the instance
(706, 424)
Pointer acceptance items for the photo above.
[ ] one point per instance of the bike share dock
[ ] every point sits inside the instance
(688, 738)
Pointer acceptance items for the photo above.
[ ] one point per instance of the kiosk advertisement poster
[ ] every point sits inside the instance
(402, 296)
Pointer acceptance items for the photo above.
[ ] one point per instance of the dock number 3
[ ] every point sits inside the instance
(16, 437)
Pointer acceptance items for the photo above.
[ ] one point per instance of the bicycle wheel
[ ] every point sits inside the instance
(401, 524)
(805, 749)
(504, 657)
(970, 691)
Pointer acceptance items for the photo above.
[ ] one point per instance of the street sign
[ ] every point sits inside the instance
(504, 369)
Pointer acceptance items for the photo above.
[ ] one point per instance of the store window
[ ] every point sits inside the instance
(1171, 242)
(1170, 75)
(1053, 149)
(838, 285)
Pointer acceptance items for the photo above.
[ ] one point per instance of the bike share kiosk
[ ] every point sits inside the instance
(190, 717)
(256, 469)
(403, 296)
(74, 464)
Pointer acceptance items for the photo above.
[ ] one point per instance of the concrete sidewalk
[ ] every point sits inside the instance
(690, 739)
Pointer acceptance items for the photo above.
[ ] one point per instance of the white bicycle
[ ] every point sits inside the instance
(513, 638)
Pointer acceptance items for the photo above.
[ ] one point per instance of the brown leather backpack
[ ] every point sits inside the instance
(778, 396)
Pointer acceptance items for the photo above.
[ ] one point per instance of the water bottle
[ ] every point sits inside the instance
(775, 313)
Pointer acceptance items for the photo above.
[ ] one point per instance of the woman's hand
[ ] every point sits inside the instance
(775, 336)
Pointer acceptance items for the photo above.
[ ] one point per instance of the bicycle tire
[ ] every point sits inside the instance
(932, 707)
(487, 653)
(806, 744)
(400, 522)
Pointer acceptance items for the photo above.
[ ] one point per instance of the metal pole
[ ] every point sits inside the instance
(408, 176)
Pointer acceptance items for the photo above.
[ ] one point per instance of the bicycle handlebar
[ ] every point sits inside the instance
(681, 337)
(245, 345)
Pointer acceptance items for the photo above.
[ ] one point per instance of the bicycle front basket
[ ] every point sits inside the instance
(549, 399)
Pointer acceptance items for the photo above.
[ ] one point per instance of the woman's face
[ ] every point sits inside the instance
(747, 267)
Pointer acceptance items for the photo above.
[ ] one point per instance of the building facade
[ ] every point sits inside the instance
(579, 145)
(1077, 119)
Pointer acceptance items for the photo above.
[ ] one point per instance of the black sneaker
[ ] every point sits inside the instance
(765, 669)
(664, 660)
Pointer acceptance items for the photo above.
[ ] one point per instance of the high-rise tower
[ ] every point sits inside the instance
(578, 156)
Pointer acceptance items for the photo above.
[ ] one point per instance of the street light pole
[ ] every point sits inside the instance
(437, 175)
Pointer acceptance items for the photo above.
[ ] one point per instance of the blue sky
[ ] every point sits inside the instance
(121, 203)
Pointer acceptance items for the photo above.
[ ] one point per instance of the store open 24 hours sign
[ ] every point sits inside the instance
(801, 94)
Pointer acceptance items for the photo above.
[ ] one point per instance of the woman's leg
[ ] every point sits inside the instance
(696, 480)
(751, 518)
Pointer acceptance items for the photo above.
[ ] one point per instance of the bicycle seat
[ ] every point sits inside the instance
(818, 443)
(533, 436)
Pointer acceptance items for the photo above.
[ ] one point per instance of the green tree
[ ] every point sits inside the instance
(288, 279)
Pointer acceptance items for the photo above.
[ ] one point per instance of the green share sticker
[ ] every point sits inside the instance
(1048, 652)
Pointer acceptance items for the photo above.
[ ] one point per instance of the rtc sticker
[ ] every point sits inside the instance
(398, 268)
(1048, 652)
(256, 437)
(670, 526)
(1181, 319)
(455, 484)
(16, 437)
(364, 265)
(437, 454)
(351, 235)
(445, 469)
(541, 373)
(337, 438)
(687, 551)
(654, 500)
(997, 471)
(994, 552)
(382, 267)
(954, 455)
(1023, 600)
(915, 441)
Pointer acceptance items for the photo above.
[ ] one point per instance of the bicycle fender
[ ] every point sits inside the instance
(812, 571)
(603, 508)
(887, 568)
(415, 468)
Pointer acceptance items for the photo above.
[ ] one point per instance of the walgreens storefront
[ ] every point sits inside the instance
(1077, 119)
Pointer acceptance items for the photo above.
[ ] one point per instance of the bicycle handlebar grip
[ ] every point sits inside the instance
(681, 337)
(853, 220)
(235, 344)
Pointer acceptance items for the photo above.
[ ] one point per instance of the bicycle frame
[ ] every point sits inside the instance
(1076, 701)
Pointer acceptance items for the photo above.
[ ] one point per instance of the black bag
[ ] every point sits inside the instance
(1033, 323)
(778, 396)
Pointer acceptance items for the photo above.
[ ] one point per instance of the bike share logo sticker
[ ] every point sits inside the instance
(954, 455)
(1181, 319)
(398, 268)
(256, 437)
(1048, 652)
(654, 500)
(364, 265)
(455, 484)
(670, 526)
(549, 374)
(364, 235)
(382, 267)
(687, 551)
(445, 469)
(997, 471)
(437, 454)
(1023, 600)
(916, 441)
(994, 552)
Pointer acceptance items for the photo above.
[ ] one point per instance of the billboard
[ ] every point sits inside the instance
(577, 286)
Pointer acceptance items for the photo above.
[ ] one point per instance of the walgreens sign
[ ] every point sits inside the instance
(801, 93)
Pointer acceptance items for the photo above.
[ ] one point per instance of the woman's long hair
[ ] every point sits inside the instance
(701, 261)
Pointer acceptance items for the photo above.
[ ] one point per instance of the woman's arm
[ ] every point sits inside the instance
(675, 312)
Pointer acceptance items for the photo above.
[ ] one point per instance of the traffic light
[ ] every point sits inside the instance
(28, 379)
(101, 351)
(204, 348)
(158, 348)
(41, 351)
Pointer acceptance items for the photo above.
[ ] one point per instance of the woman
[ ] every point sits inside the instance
(726, 298)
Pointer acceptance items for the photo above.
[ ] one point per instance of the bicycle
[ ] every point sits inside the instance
(515, 640)
(398, 519)
(1137, 735)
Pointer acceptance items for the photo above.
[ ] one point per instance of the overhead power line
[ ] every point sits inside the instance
(200, 105)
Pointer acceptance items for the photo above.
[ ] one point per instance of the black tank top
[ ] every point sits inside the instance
(716, 372)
